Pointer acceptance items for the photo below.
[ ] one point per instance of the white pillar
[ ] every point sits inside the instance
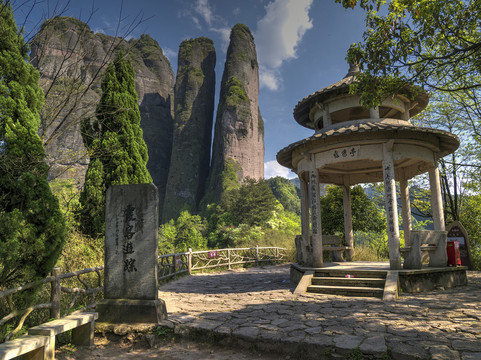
(348, 234)
(436, 200)
(391, 206)
(304, 209)
(406, 210)
(317, 260)
(326, 116)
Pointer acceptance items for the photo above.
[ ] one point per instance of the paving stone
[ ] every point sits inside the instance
(473, 346)
(407, 351)
(471, 356)
(374, 345)
(246, 333)
(347, 342)
(443, 352)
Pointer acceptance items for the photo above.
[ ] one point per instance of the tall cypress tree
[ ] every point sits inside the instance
(32, 227)
(118, 154)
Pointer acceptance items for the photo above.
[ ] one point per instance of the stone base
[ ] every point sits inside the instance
(131, 311)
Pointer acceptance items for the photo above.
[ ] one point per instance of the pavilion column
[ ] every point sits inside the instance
(349, 236)
(391, 206)
(436, 200)
(304, 209)
(316, 228)
(406, 210)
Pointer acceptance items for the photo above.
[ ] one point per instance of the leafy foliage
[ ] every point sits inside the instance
(286, 193)
(118, 154)
(31, 225)
(436, 44)
(365, 215)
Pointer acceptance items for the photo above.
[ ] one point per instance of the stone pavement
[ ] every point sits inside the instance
(256, 307)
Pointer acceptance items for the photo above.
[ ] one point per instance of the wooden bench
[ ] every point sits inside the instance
(426, 245)
(32, 347)
(333, 243)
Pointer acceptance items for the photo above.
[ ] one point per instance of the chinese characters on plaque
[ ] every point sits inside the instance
(347, 153)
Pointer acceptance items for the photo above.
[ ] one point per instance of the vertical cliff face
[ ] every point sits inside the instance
(71, 60)
(193, 117)
(239, 129)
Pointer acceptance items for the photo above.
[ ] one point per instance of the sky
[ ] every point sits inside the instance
(301, 44)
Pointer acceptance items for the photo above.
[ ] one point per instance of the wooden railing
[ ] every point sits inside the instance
(171, 265)
(54, 294)
(65, 290)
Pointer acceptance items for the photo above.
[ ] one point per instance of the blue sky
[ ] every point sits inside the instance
(301, 45)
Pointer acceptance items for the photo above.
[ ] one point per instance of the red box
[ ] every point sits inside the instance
(454, 256)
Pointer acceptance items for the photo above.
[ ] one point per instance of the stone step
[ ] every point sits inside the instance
(346, 290)
(355, 273)
(344, 281)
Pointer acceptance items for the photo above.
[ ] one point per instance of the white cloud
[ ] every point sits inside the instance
(269, 78)
(170, 54)
(224, 33)
(203, 8)
(278, 35)
(273, 168)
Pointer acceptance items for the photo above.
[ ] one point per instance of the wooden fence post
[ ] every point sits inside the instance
(277, 254)
(55, 294)
(257, 255)
(228, 258)
(190, 261)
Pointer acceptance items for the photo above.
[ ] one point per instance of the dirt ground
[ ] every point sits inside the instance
(156, 346)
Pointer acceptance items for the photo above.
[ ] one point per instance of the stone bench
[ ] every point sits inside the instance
(82, 326)
(426, 244)
(32, 347)
(333, 243)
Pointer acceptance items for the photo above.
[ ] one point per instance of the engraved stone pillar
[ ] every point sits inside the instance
(305, 242)
(317, 260)
(349, 237)
(391, 206)
(406, 211)
(436, 200)
(131, 256)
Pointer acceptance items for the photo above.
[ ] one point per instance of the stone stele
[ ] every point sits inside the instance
(131, 256)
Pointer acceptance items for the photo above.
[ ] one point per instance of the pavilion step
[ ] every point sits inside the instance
(346, 290)
(356, 273)
(349, 282)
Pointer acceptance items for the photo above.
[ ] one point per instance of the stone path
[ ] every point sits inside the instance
(257, 306)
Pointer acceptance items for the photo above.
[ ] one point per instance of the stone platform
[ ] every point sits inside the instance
(412, 280)
(257, 307)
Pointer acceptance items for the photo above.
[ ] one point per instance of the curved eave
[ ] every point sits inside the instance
(448, 142)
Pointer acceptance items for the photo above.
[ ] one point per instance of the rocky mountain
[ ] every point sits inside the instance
(239, 128)
(193, 117)
(71, 60)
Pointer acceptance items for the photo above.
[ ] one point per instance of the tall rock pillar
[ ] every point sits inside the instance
(239, 129)
(193, 116)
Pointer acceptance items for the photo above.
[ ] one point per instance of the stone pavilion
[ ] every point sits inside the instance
(352, 145)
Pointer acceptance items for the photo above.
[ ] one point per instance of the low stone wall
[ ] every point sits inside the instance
(433, 278)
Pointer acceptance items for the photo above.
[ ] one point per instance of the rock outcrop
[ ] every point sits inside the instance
(193, 117)
(71, 60)
(239, 128)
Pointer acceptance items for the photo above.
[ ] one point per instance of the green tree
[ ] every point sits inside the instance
(366, 216)
(118, 154)
(286, 193)
(32, 228)
(436, 44)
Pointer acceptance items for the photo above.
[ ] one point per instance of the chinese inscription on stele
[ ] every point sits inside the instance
(133, 222)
